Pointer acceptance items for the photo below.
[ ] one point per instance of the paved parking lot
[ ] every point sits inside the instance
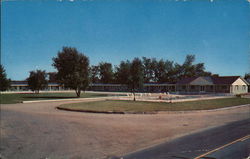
(38, 130)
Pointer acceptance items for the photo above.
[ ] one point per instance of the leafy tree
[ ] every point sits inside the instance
(106, 72)
(154, 69)
(4, 82)
(189, 69)
(136, 75)
(200, 70)
(37, 80)
(170, 71)
(177, 72)
(123, 72)
(247, 77)
(158, 71)
(161, 73)
(94, 74)
(53, 77)
(148, 69)
(73, 69)
(215, 75)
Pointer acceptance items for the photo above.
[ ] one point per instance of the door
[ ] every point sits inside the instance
(202, 88)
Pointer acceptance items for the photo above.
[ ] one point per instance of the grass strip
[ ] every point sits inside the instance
(144, 107)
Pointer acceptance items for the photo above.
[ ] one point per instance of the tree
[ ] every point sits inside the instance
(148, 69)
(106, 72)
(123, 72)
(37, 80)
(136, 75)
(73, 69)
(170, 71)
(94, 74)
(177, 72)
(247, 77)
(161, 71)
(53, 77)
(4, 82)
(200, 70)
(189, 69)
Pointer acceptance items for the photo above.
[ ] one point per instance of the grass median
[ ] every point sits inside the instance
(113, 106)
(19, 97)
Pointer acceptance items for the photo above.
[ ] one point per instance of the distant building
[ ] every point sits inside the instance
(192, 85)
(23, 86)
(147, 87)
(108, 87)
(159, 87)
(223, 84)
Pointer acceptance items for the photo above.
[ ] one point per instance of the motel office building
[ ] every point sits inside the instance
(223, 84)
(193, 85)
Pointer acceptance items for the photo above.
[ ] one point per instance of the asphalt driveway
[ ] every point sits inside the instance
(38, 130)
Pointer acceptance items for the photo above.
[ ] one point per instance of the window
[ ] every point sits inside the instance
(244, 87)
(237, 87)
(192, 87)
(224, 87)
(183, 87)
(202, 88)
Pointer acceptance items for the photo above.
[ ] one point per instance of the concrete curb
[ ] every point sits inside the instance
(89, 111)
(103, 112)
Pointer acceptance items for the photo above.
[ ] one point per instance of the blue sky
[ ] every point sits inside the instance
(32, 32)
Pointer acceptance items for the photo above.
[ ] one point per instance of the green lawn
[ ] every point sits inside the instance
(131, 106)
(18, 98)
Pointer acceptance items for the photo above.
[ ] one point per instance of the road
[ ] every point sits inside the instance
(231, 141)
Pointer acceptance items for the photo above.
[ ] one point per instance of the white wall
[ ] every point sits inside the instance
(239, 86)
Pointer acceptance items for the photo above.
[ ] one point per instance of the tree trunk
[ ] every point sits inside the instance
(134, 95)
(78, 92)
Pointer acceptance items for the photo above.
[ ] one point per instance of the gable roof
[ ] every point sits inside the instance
(186, 80)
(225, 79)
(243, 79)
(202, 81)
(228, 80)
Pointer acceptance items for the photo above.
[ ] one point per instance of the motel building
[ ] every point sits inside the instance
(222, 84)
(147, 87)
(23, 86)
(192, 85)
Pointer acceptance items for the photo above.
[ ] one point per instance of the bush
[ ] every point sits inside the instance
(238, 95)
